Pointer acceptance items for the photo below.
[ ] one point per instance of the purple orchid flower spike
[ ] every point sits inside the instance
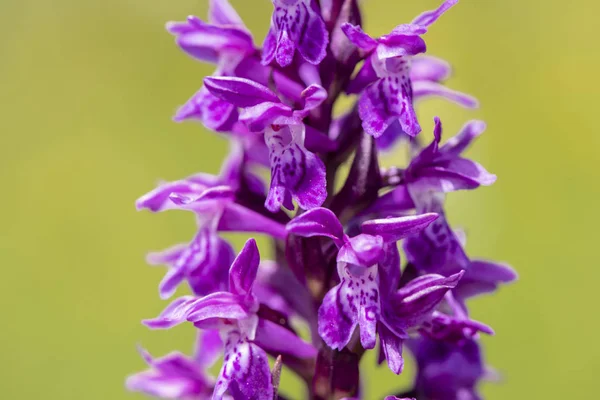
(296, 173)
(295, 25)
(385, 80)
(361, 261)
(204, 261)
(336, 271)
(245, 372)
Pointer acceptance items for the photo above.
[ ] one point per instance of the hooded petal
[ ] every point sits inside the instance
(244, 268)
(317, 222)
(394, 229)
(295, 172)
(363, 249)
(245, 372)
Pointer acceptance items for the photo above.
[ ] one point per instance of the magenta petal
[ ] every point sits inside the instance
(429, 17)
(391, 345)
(336, 323)
(240, 92)
(269, 47)
(424, 89)
(209, 347)
(243, 270)
(220, 12)
(420, 296)
(317, 222)
(394, 229)
(457, 144)
(428, 68)
(237, 218)
(173, 376)
(359, 38)
(365, 76)
(273, 337)
(174, 314)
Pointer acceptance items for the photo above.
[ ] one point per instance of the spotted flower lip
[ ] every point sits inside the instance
(336, 274)
(295, 26)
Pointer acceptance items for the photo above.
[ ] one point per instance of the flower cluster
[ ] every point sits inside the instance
(336, 286)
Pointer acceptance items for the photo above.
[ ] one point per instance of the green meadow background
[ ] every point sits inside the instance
(87, 89)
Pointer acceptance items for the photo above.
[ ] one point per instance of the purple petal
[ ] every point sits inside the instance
(269, 47)
(295, 172)
(313, 96)
(391, 345)
(398, 200)
(213, 112)
(273, 337)
(365, 76)
(237, 218)
(245, 372)
(316, 141)
(174, 314)
(158, 199)
(394, 229)
(336, 322)
(209, 347)
(389, 270)
(243, 270)
(208, 42)
(457, 144)
(220, 12)
(423, 89)
(420, 296)
(428, 68)
(216, 305)
(317, 222)
(453, 329)
(171, 377)
(240, 92)
(359, 38)
(483, 277)
(429, 17)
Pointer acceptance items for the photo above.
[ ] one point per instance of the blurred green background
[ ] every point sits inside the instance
(87, 91)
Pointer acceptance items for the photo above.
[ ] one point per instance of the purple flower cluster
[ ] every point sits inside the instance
(336, 286)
